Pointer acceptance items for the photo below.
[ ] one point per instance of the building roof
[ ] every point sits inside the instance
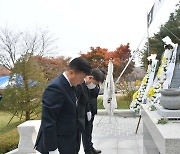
(4, 71)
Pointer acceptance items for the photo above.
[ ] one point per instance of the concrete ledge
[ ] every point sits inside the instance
(120, 113)
(27, 137)
(15, 151)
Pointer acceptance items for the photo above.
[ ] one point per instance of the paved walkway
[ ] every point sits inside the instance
(116, 135)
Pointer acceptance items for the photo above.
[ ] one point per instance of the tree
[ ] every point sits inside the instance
(96, 56)
(99, 57)
(14, 44)
(17, 51)
(23, 96)
(142, 57)
(122, 55)
(52, 66)
(171, 29)
(156, 45)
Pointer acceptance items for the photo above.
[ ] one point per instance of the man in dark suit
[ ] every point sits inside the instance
(93, 108)
(83, 108)
(57, 134)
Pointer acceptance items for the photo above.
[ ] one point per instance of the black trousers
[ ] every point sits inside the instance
(66, 144)
(86, 136)
(90, 131)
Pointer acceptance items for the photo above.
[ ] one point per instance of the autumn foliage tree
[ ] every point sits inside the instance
(99, 57)
(52, 66)
(96, 56)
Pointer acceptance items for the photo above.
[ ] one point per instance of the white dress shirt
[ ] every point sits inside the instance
(54, 152)
(67, 78)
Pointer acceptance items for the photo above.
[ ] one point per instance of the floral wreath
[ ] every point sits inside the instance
(153, 92)
(138, 95)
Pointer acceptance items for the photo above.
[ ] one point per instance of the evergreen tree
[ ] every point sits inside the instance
(171, 28)
(23, 95)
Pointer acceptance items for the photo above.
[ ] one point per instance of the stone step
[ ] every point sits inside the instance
(175, 83)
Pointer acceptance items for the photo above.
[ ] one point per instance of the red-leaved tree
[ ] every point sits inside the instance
(99, 57)
(52, 66)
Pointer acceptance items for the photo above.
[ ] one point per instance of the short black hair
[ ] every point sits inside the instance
(97, 75)
(80, 65)
(104, 72)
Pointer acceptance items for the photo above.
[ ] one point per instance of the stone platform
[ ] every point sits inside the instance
(115, 136)
(170, 114)
(159, 138)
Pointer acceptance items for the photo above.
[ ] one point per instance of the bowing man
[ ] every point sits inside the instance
(58, 130)
(83, 109)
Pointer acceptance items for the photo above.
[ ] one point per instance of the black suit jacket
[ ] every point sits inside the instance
(83, 107)
(58, 115)
(93, 99)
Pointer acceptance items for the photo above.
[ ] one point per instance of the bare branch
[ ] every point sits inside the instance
(13, 45)
(8, 43)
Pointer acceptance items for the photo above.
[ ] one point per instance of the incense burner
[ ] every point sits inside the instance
(170, 98)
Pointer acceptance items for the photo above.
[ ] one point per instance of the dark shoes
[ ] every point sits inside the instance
(96, 151)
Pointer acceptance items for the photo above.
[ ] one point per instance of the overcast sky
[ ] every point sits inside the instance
(80, 24)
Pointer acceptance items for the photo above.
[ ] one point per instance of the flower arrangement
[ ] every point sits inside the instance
(162, 70)
(153, 92)
(135, 95)
(138, 95)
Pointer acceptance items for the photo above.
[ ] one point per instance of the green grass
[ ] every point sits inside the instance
(9, 137)
(121, 103)
(9, 140)
(4, 119)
